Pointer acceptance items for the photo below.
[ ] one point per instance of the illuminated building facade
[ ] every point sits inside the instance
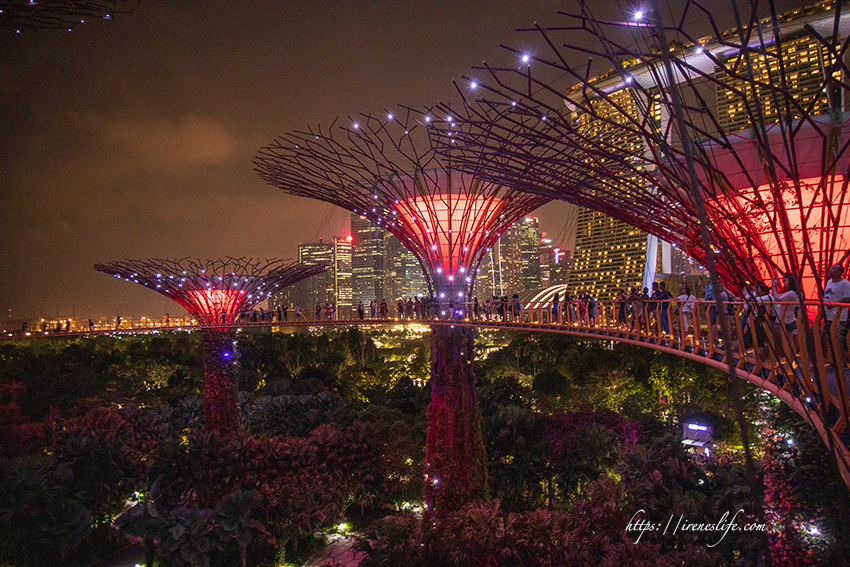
(319, 288)
(509, 260)
(403, 277)
(332, 286)
(803, 62)
(609, 253)
(512, 264)
(529, 239)
(487, 277)
(367, 260)
(342, 271)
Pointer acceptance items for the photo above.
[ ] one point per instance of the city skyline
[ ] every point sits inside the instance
(133, 137)
(382, 269)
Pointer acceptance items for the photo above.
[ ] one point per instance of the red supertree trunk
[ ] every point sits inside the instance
(220, 396)
(455, 463)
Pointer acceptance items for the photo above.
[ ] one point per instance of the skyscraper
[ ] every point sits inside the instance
(319, 288)
(403, 275)
(332, 286)
(342, 271)
(609, 253)
(529, 236)
(512, 265)
(486, 278)
(804, 62)
(367, 264)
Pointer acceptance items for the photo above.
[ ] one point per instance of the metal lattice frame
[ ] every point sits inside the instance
(387, 171)
(56, 14)
(775, 194)
(213, 291)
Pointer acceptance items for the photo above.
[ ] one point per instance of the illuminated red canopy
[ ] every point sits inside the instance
(789, 213)
(388, 172)
(212, 291)
(449, 224)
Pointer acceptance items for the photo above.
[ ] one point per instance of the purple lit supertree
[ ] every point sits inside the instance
(214, 292)
(386, 170)
(732, 145)
(17, 15)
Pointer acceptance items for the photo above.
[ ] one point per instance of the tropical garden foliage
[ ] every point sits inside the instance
(102, 440)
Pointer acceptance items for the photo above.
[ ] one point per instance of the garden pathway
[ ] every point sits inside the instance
(338, 552)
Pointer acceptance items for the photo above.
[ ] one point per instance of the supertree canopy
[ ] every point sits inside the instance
(732, 144)
(386, 170)
(757, 110)
(17, 15)
(214, 292)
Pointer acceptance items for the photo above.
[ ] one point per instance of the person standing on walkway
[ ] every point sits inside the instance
(837, 290)
(621, 308)
(709, 295)
(664, 298)
(792, 295)
(686, 305)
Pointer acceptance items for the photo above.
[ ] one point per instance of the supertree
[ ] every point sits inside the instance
(733, 145)
(17, 15)
(386, 170)
(760, 118)
(214, 292)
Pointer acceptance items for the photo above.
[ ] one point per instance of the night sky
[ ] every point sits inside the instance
(134, 137)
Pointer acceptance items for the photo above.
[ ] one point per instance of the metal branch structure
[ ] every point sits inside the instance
(214, 292)
(767, 130)
(386, 170)
(17, 15)
(733, 145)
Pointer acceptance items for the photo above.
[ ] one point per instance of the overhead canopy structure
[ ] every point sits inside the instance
(733, 146)
(214, 292)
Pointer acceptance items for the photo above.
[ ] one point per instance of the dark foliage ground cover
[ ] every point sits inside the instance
(579, 436)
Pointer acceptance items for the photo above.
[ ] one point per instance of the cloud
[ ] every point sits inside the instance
(159, 144)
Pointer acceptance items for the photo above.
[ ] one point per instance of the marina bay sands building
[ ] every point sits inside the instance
(609, 254)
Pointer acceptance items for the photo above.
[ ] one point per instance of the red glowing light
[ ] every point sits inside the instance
(450, 227)
(213, 304)
(759, 218)
(349, 238)
(772, 223)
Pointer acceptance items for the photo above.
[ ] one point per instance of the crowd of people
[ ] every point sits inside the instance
(760, 309)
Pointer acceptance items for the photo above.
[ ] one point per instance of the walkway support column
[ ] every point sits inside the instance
(455, 459)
